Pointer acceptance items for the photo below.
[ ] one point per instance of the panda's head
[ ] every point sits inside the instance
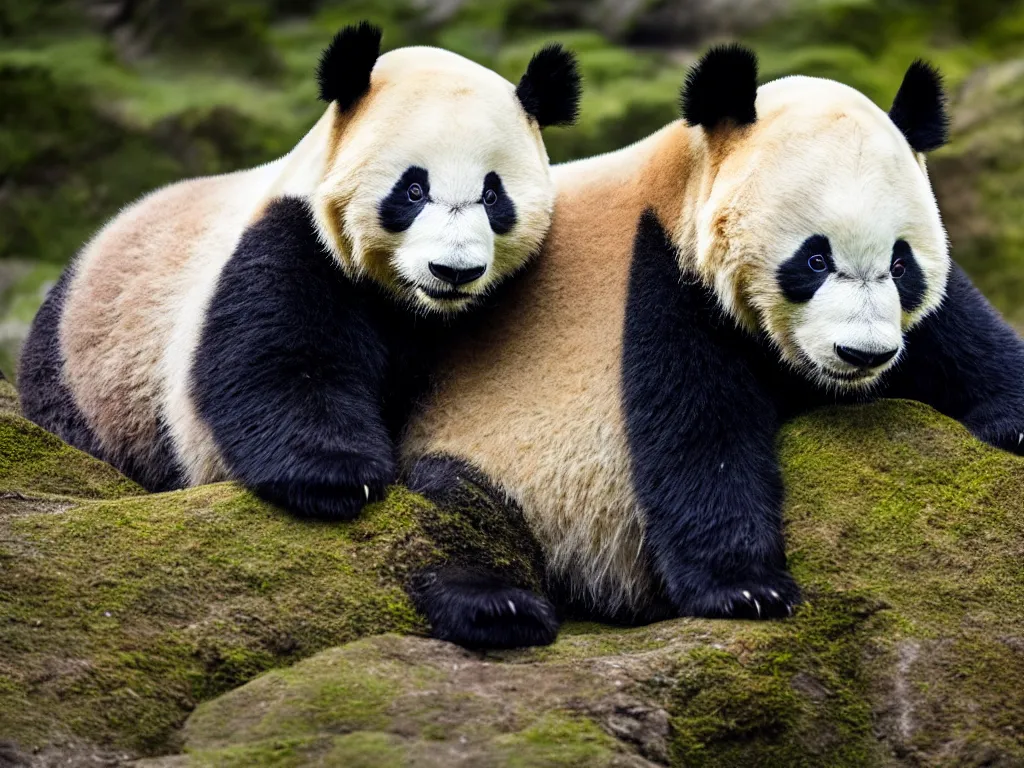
(818, 226)
(436, 182)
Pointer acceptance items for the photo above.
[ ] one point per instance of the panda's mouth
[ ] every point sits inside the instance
(848, 375)
(447, 294)
(859, 378)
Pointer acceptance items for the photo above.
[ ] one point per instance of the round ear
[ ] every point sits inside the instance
(919, 109)
(345, 65)
(721, 86)
(550, 89)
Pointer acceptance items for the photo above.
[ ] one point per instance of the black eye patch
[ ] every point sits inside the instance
(501, 211)
(909, 280)
(803, 273)
(406, 199)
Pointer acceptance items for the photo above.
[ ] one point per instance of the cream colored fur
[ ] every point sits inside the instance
(534, 399)
(142, 286)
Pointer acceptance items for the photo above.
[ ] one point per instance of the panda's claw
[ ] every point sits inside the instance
(477, 609)
(751, 598)
(366, 490)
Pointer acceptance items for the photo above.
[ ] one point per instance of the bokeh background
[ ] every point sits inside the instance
(103, 100)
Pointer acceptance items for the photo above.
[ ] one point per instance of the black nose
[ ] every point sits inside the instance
(456, 276)
(864, 359)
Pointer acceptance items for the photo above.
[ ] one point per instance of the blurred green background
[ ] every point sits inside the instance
(103, 100)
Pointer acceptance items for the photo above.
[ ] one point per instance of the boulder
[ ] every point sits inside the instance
(907, 536)
(122, 611)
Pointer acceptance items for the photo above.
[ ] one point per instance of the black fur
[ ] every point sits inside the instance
(45, 398)
(478, 609)
(343, 73)
(797, 280)
(911, 285)
(919, 109)
(398, 211)
(550, 89)
(966, 362)
(721, 86)
(470, 605)
(47, 401)
(701, 430)
(304, 376)
(502, 214)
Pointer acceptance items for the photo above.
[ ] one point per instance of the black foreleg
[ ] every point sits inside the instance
(474, 606)
(290, 371)
(966, 362)
(701, 427)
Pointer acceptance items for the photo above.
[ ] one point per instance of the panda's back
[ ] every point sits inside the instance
(133, 300)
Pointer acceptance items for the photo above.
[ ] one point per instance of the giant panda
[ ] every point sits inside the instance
(777, 248)
(272, 325)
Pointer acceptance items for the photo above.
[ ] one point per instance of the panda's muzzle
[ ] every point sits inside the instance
(444, 295)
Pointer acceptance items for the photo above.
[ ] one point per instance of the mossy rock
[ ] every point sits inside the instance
(120, 610)
(907, 535)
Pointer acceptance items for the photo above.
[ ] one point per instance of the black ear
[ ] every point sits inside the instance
(721, 86)
(919, 109)
(345, 65)
(550, 89)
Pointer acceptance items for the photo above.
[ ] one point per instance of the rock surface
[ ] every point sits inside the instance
(119, 611)
(122, 611)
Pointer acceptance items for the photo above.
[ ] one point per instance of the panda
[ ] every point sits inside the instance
(273, 325)
(776, 249)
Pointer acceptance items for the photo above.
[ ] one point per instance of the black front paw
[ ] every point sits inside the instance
(337, 494)
(764, 594)
(476, 610)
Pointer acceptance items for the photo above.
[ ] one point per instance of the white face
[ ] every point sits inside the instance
(832, 242)
(441, 181)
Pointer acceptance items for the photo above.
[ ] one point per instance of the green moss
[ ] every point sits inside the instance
(35, 463)
(121, 615)
(558, 741)
(781, 695)
(906, 521)
(905, 534)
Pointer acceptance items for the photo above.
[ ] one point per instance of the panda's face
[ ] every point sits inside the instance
(825, 234)
(441, 182)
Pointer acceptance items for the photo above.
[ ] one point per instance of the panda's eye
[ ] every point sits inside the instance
(490, 197)
(415, 193)
(817, 263)
(898, 269)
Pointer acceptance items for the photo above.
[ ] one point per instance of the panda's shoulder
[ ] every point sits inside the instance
(281, 240)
